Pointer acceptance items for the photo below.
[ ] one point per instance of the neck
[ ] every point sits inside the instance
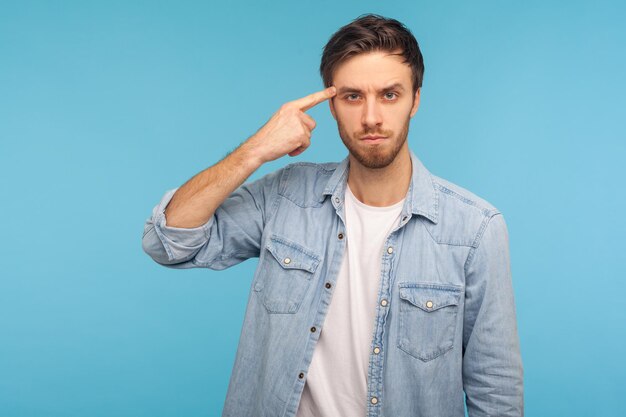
(383, 186)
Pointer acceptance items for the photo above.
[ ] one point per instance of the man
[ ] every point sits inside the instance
(381, 289)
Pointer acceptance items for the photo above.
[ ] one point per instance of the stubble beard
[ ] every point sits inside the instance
(374, 156)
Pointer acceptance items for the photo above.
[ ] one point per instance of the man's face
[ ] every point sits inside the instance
(374, 99)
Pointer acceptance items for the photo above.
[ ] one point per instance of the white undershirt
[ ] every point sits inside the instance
(336, 383)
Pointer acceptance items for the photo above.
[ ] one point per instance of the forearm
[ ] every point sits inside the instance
(288, 131)
(195, 202)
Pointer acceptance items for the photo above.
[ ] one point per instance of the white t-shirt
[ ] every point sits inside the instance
(336, 383)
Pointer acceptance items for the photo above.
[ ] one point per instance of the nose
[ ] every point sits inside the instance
(372, 117)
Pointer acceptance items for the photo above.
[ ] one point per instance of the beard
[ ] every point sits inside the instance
(374, 156)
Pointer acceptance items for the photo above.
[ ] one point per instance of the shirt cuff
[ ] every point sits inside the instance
(179, 241)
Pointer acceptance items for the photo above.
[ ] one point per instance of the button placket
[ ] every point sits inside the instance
(376, 387)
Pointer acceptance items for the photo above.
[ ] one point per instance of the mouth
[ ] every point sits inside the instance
(373, 139)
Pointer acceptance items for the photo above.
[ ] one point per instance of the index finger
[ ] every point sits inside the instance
(306, 102)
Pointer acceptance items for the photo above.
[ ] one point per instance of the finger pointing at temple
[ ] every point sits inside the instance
(305, 103)
(288, 131)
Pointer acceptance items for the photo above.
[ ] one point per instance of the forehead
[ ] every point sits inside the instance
(372, 70)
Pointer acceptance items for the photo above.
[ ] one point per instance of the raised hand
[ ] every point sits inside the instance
(288, 131)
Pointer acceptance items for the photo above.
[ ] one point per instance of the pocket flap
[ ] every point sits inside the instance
(430, 297)
(292, 255)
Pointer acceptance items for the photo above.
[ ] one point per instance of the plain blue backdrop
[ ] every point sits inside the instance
(106, 105)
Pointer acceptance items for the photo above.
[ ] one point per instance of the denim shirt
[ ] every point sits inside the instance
(445, 322)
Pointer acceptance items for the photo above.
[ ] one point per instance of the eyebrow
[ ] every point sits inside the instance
(344, 90)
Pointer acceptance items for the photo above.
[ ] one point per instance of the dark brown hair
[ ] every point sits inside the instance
(369, 33)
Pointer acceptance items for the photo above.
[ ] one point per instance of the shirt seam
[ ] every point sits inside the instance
(274, 206)
(478, 239)
(467, 201)
(222, 257)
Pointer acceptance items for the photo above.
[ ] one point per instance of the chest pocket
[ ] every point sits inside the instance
(285, 275)
(427, 318)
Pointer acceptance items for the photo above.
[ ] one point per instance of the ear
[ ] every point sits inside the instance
(332, 107)
(416, 102)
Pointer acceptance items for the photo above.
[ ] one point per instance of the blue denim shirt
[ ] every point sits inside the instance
(445, 320)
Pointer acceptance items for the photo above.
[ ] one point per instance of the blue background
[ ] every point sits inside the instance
(106, 105)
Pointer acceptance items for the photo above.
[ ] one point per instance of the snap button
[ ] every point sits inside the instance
(336, 199)
(429, 304)
(340, 235)
(287, 260)
(383, 303)
(390, 249)
(374, 400)
(301, 375)
(313, 329)
(328, 285)
(377, 350)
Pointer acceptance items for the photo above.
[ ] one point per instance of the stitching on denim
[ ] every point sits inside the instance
(401, 341)
(274, 206)
(282, 191)
(435, 195)
(443, 287)
(294, 245)
(284, 179)
(308, 263)
(478, 239)
(303, 206)
(485, 211)
(439, 242)
(224, 257)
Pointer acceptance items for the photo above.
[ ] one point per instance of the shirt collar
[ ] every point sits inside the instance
(422, 195)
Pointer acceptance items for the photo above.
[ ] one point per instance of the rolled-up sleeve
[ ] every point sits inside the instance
(232, 235)
(492, 363)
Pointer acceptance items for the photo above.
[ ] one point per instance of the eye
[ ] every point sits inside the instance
(351, 97)
(393, 95)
